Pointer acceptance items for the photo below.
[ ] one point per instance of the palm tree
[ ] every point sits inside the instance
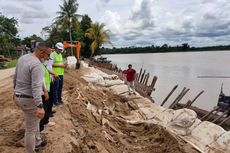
(98, 35)
(67, 15)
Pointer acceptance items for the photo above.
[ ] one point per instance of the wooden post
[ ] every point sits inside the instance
(227, 118)
(147, 79)
(143, 80)
(183, 95)
(189, 103)
(220, 116)
(215, 109)
(150, 90)
(142, 76)
(138, 78)
(151, 87)
(171, 92)
(115, 68)
(154, 81)
(179, 97)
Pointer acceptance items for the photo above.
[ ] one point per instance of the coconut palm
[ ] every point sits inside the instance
(67, 16)
(98, 35)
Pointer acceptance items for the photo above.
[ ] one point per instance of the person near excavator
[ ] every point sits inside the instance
(27, 83)
(58, 68)
(46, 99)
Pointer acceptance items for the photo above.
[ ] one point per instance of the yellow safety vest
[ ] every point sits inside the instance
(47, 78)
(58, 60)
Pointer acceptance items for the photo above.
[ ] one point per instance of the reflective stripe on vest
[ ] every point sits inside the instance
(58, 60)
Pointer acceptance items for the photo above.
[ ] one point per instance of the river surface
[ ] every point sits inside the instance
(194, 70)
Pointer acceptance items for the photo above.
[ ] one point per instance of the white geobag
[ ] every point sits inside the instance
(184, 118)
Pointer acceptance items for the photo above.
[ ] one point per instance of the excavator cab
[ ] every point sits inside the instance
(77, 46)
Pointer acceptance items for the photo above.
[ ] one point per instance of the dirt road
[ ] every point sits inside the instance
(79, 130)
(5, 73)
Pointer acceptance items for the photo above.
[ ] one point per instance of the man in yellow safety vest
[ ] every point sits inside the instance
(58, 68)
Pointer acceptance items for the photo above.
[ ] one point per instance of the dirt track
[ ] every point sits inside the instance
(78, 129)
(5, 73)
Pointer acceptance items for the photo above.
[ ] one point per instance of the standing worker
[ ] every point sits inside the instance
(53, 77)
(45, 97)
(28, 80)
(130, 78)
(58, 68)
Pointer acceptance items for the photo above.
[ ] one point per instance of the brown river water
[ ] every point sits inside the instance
(194, 70)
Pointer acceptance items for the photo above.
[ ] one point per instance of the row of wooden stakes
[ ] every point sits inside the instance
(142, 83)
(217, 115)
(180, 96)
(145, 87)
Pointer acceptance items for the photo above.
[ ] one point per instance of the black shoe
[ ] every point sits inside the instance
(41, 145)
(57, 104)
(45, 122)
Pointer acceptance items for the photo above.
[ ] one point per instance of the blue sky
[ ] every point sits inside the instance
(136, 22)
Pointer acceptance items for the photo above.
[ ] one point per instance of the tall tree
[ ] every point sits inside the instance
(164, 48)
(86, 23)
(8, 34)
(68, 19)
(99, 36)
(185, 46)
(66, 25)
(27, 40)
(67, 16)
(55, 35)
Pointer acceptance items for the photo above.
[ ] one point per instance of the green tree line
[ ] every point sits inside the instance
(8, 35)
(162, 49)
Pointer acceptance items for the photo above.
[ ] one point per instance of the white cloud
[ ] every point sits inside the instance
(103, 1)
(100, 4)
(143, 13)
(189, 22)
(112, 20)
(32, 15)
(136, 22)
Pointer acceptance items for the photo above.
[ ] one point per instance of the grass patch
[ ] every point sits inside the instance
(12, 63)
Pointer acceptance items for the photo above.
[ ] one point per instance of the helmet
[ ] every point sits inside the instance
(59, 45)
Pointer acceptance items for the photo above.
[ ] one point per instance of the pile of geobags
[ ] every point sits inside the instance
(207, 137)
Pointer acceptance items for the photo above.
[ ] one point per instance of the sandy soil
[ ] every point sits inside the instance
(5, 73)
(79, 130)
